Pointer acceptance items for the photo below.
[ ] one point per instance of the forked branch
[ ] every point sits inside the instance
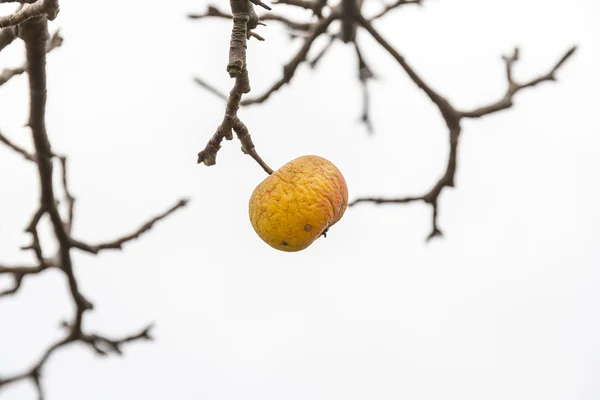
(452, 117)
(349, 14)
(30, 23)
(243, 22)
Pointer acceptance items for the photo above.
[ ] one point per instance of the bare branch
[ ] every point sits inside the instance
(103, 345)
(35, 34)
(54, 42)
(118, 243)
(393, 6)
(17, 279)
(452, 119)
(76, 335)
(446, 109)
(230, 123)
(23, 270)
(35, 239)
(211, 12)
(364, 75)
(242, 13)
(290, 68)
(247, 146)
(210, 88)
(291, 24)
(316, 6)
(261, 4)
(380, 200)
(306, 4)
(7, 36)
(431, 197)
(41, 8)
(208, 156)
(514, 87)
(435, 231)
(16, 148)
(257, 36)
(349, 13)
(237, 68)
(33, 29)
(20, 272)
(33, 373)
(313, 63)
(68, 195)
(9, 73)
(214, 12)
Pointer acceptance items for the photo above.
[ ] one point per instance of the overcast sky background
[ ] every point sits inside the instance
(504, 307)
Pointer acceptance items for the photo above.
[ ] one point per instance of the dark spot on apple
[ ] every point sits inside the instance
(284, 243)
(308, 227)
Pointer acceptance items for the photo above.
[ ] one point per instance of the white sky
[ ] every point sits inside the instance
(504, 307)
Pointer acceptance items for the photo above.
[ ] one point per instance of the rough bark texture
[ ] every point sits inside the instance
(244, 20)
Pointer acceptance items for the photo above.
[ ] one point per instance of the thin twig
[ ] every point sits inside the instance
(34, 32)
(55, 41)
(349, 14)
(16, 148)
(393, 6)
(214, 12)
(313, 63)
(210, 88)
(452, 117)
(237, 68)
(364, 75)
(290, 68)
(513, 87)
(117, 244)
(68, 195)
